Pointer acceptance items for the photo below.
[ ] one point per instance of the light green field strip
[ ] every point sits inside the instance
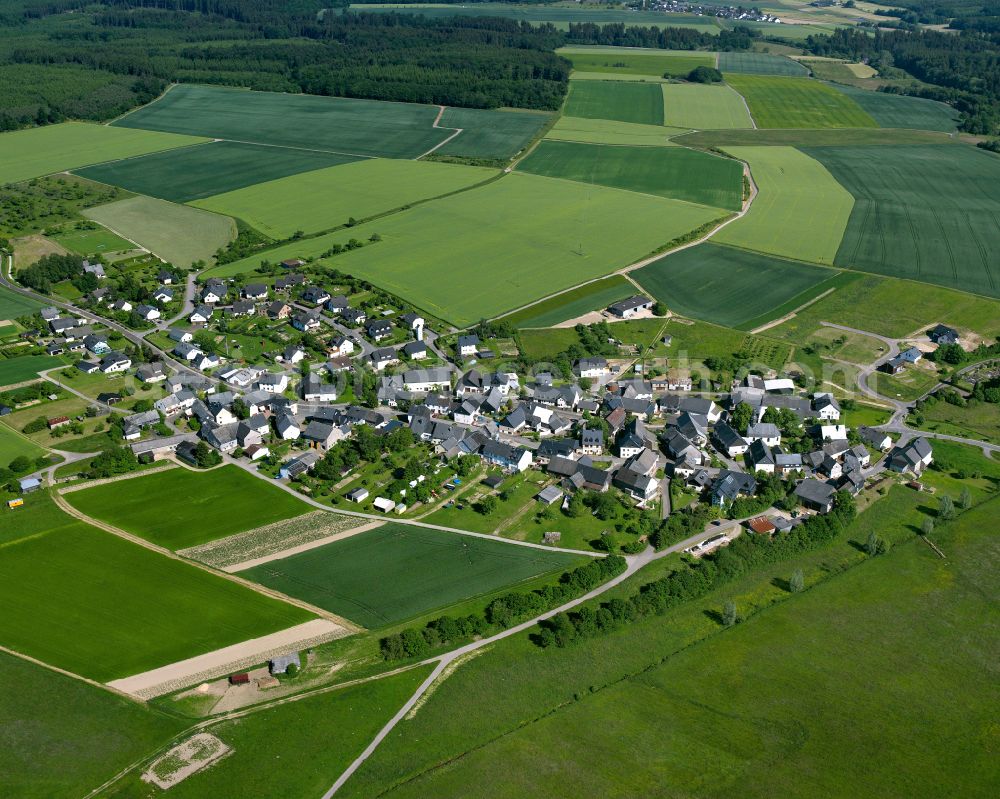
(327, 198)
(783, 102)
(623, 76)
(702, 107)
(800, 212)
(605, 131)
(31, 153)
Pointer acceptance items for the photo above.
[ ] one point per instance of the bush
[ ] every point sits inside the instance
(705, 75)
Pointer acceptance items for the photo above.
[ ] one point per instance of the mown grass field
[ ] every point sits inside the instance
(900, 111)
(779, 102)
(636, 61)
(196, 172)
(675, 172)
(176, 233)
(203, 506)
(13, 445)
(490, 134)
(498, 247)
(604, 131)
(640, 103)
(704, 107)
(93, 242)
(760, 64)
(13, 305)
(591, 297)
(725, 285)
(94, 604)
(921, 212)
(41, 151)
(327, 198)
(25, 367)
(396, 572)
(800, 212)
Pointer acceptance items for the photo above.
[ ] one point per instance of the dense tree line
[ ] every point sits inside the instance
(53, 268)
(620, 35)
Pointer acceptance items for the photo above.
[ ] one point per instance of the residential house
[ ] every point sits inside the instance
(163, 295)
(591, 441)
(415, 350)
(306, 322)
(166, 277)
(242, 308)
(115, 362)
(816, 495)
(508, 458)
(148, 312)
(467, 345)
(379, 329)
(293, 354)
(288, 429)
(289, 281)
(340, 346)
(314, 390)
(182, 336)
(766, 432)
(297, 466)
(151, 373)
(911, 355)
(95, 269)
(632, 439)
(826, 407)
(337, 304)
(315, 295)
(206, 360)
(278, 310)
(424, 380)
(942, 334)
(97, 344)
(878, 439)
(833, 432)
(591, 367)
(384, 357)
(272, 383)
(914, 456)
(201, 314)
(353, 317)
(729, 485)
(255, 291)
(121, 306)
(759, 457)
(729, 441)
(187, 351)
(639, 486)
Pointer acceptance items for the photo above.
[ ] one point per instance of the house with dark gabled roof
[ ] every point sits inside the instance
(816, 495)
(255, 291)
(639, 486)
(877, 439)
(760, 458)
(942, 334)
(729, 441)
(315, 295)
(467, 345)
(729, 485)
(379, 329)
(914, 456)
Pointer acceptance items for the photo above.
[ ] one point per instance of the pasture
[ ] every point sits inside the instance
(926, 213)
(760, 64)
(604, 131)
(25, 367)
(593, 296)
(777, 102)
(328, 198)
(175, 233)
(490, 134)
(704, 107)
(635, 60)
(900, 111)
(207, 169)
(675, 172)
(725, 285)
(55, 148)
(541, 235)
(92, 242)
(640, 103)
(800, 211)
(396, 572)
(203, 506)
(13, 305)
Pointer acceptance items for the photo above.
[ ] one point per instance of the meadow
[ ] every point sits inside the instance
(396, 572)
(495, 248)
(55, 148)
(800, 211)
(901, 111)
(980, 420)
(490, 134)
(593, 296)
(25, 367)
(13, 305)
(327, 198)
(704, 107)
(926, 213)
(674, 172)
(175, 233)
(203, 506)
(639, 103)
(605, 131)
(778, 102)
(635, 61)
(760, 64)
(728, 286)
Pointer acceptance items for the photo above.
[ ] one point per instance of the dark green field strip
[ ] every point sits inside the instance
(624, 102)
(810, 137)
(490, 134)
(13, 305)
(193, 173)
(925, 213)
(674, 172)
(726, 285)
(760, 64)
(358, 127)
(839, 281)
(900, 111)
(397, 571)
(591, 297)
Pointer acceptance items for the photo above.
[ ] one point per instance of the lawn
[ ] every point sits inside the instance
(927, 213)
(203, 506)
(800, 212)
(13, 305)
(726, 285)
(196, 172)
(55, 148)
(327, 198)
(94, 604)
(760, 64)
(495, 248)
(703, 107)
(901, 111)
(175, 233)
(25, 367)
(910, 384)
(641, 103)
(675, 172)
(490, 134)
(93, 242)
(606, 131)
(777, 102)
(635, 61)
(397, 571)
(576, 302)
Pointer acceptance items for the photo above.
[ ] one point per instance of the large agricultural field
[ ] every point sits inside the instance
(704, 107)
(25, 367)
(14, 445)
(639, 103)
(604, 131)
(760, 64)
(13, 305)
(780, 102)
(636, 61)
(396, 572)
(490, 134)
(901, 111)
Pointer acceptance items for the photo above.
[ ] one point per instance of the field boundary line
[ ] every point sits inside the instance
(286, 553)
(791, 314)
(144, 105)
(71, 674)
(746, 105)
(166, 467)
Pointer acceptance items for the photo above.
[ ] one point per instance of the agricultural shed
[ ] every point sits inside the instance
(280, 664)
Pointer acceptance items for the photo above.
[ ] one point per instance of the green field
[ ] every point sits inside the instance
(576, 302)
(92, 242)
(13, 305)
(94, 604)
(800, 211)
(777, 102)
(203, 506)
(800, 137)
(725, 285)
(760, 64)
(13, 445)
(635, 61)
(640, 103)
(926, 213)
(900, 111)
(196, 172)
(327, 198)
(55, 148)
(490, 134)
(697, 105)
(979, 420)
(496, 248)
(675, 172)
(25, 367)
(396, 572)
(175, 233)
(605, 131)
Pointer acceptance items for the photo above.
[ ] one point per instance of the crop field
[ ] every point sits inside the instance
(25, 367)
(396, 572)
(13, 305)
(176, 233)
(640, 103)
(800, 211)
(196, 172)
(490, 134)
(605, 131)
(760, 64)
(203, 506)
(540, 234)
(94, 604)
(591, 297)
(55, 148)
(777, 102)
(900, 111)
(635, 61)
(93, 242)
(327, 198)
(924, 213)
(725, 285)
(801, 137)
(696, 105)
(675, 172)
